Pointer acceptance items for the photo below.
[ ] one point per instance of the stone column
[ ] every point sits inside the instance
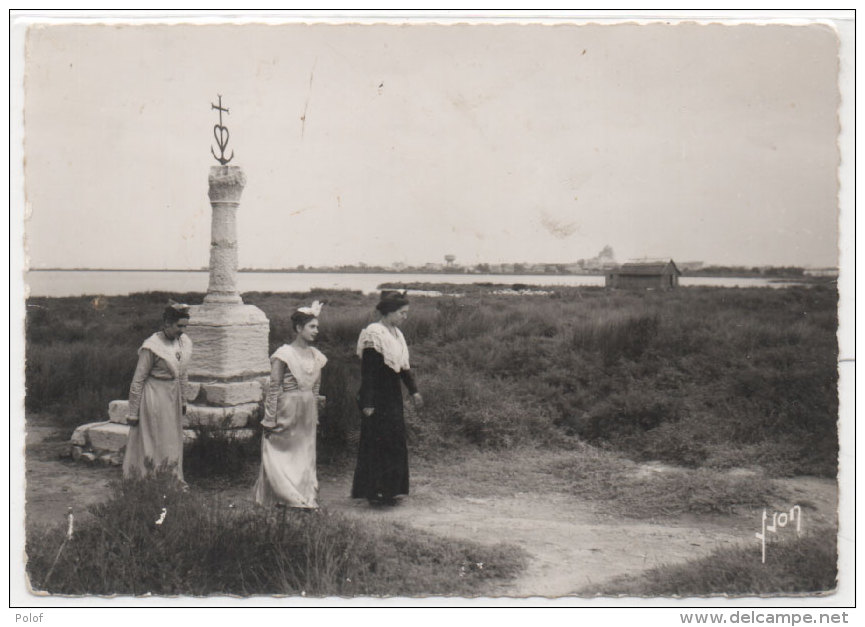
(230, 361)
(230, 366)
(226, 183)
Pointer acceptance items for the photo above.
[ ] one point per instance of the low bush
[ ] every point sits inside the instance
(802, 566)
(629, 414)
(149, 538)
(640, 491)
(216, 455)
(616, 334)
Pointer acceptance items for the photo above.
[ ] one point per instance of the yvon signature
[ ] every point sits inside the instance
(779, 519)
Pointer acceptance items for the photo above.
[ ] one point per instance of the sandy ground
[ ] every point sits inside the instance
(572, 544)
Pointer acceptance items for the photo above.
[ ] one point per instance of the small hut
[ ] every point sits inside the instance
(659, 275)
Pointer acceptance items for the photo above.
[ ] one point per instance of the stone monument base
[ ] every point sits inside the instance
(229, 368)
(228, 373)
(229, 348)
(105, 442)
(228, 377)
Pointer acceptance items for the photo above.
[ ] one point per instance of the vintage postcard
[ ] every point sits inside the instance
(405, 309)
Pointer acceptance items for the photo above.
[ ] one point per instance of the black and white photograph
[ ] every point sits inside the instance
(497, 309)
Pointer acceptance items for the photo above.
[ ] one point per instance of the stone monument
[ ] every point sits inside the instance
(229, 360)
(230, 366)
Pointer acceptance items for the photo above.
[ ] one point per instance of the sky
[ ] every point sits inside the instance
(387, 143)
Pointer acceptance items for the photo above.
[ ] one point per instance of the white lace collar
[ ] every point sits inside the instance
(390, 344)
(305, 371)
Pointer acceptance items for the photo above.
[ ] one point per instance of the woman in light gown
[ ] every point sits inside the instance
(156, 401)
(287, 475)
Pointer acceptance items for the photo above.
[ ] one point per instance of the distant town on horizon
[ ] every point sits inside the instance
(602, 263)
(694, 268)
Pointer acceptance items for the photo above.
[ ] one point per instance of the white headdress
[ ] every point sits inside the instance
(312, 310)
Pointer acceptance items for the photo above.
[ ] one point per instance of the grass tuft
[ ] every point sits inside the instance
(204, 545)
(804, 565)
(217, 458)
(645, 491)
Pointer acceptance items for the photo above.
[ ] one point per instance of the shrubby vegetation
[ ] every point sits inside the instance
(800, 566)
(149, 538)
(700, 377)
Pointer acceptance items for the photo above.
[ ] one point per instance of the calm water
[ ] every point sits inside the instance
(110, 283)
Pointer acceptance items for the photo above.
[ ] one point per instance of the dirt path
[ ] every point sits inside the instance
(55, 482)
(572, 544)
(570, 548)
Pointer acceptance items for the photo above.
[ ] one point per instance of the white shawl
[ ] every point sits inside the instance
(163, 348)
(288, 355)
(392, 347)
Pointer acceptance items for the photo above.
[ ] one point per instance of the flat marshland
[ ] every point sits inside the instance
(648, 406)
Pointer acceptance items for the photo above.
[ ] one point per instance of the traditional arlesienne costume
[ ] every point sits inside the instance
(382, 461)
(287, 473)
(156, 399)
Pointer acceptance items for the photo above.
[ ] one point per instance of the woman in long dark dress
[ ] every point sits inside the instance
(382, 473)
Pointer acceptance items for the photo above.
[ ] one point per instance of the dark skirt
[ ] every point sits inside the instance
(382, 460)
(382, 457)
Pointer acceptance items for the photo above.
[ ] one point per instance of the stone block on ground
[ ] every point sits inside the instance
(118, 412)
(79, 436)
(234, 393)
(191, 391)
(221, 417)
(105, 442)
(107, 437)
(111, 459)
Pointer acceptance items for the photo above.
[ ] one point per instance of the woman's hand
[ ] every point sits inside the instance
(321, 401)
(267, 430)
(368, 411)
(417, 400)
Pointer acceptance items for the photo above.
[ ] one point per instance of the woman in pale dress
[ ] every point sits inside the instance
(156, 400)
(287, 475)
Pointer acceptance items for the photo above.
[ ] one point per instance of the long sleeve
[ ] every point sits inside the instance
(371, 363)
(316, 387)
(277, 373)
(142, 371)
(407, 377)
(184, 384)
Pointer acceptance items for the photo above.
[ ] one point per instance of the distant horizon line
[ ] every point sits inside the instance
(391, 270)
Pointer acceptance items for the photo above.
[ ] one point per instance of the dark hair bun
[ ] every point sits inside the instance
(300, 319)
(175, 312)
(390, 301)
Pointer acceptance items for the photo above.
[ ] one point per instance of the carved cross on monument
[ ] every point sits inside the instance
(229, 369)
(226, 183)
(229, 362)
(221, 134)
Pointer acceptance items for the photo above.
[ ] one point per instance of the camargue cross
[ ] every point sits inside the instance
(229, 369)
(221, 134)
